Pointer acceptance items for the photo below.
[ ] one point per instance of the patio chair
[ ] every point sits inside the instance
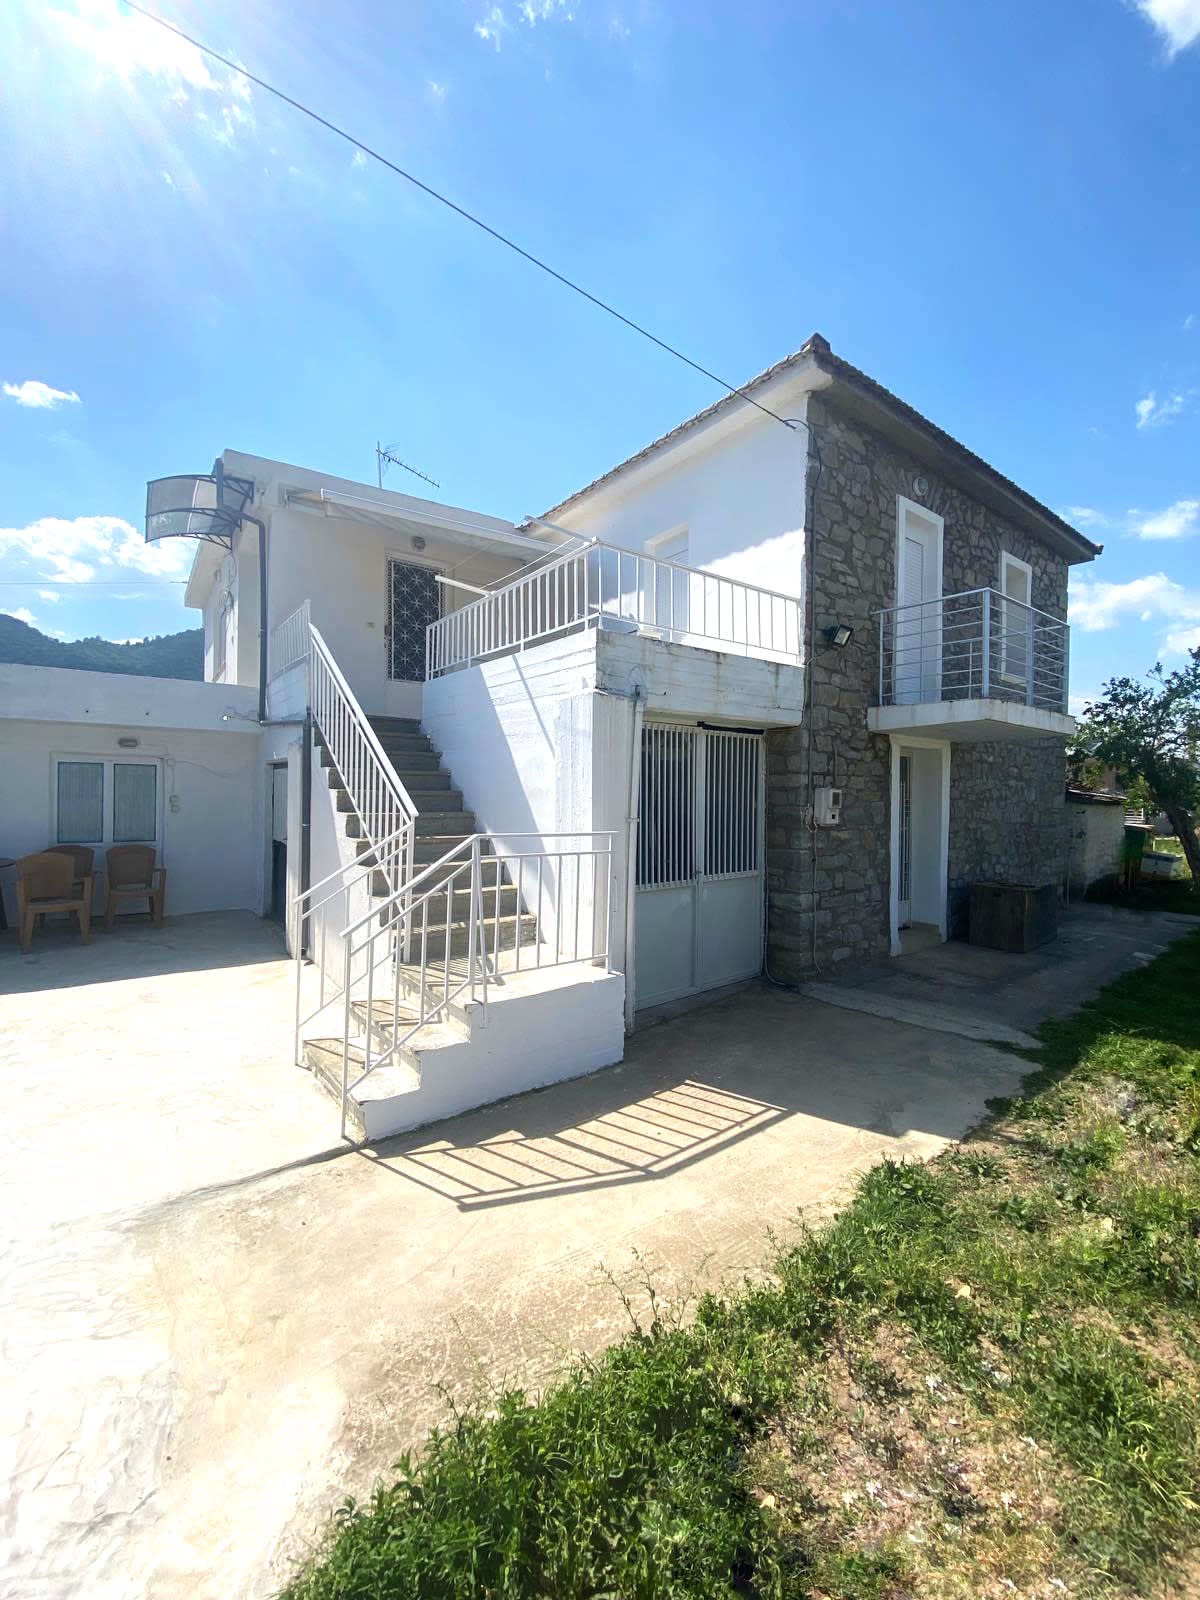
(131, 874)
(46, 882)
(81, 854)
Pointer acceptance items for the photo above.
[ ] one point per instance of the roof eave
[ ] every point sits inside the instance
(875, 403)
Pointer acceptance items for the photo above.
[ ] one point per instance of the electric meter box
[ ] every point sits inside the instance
(827, 807)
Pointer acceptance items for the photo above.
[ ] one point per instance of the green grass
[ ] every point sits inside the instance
(984, 1374)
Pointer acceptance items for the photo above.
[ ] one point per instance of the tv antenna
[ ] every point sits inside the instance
(393, 460)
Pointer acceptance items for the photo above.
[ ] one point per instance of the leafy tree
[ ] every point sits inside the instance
(1149, 732)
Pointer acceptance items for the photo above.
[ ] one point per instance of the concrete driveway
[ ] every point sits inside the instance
(218, 1321)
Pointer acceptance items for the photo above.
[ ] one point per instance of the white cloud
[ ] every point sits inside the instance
(1178, 521)
(1097, 606)
(73, 549)
(1178, 21)
(40, 395)
(436, 91)
(1085, 517)
(535, 11)
(358, 159)
(51, 596)
(1151, 411)
(492, 26)
(1189, 322)
(23, 614)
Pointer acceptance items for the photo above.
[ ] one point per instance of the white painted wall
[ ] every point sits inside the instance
(58, 694)
(682, 681)
(1096, 837)
(211, 793)
(738, 487)
(543, 741)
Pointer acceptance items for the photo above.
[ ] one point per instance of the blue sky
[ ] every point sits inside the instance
(994, 209)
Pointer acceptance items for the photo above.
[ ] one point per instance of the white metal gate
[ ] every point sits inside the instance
(699, 861)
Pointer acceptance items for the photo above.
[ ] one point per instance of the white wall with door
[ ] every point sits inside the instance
(920, 837)
(194, 792)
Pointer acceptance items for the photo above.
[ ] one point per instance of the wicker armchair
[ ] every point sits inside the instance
(46, 882)
(131, 874)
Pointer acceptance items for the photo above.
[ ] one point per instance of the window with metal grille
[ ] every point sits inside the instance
(700, 807)
(731, 764)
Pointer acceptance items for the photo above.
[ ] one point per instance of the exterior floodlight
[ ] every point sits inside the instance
(207, 506)
(839, 635)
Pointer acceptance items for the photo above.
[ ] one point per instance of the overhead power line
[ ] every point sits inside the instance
(468, 216)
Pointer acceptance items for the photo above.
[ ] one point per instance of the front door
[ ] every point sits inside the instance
(699, 861)
(904, 844)
(414, 601)
(917, 641)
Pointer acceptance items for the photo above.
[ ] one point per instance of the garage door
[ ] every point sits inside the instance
(699, 861)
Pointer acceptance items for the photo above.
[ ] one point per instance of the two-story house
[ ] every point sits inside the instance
(774, 692)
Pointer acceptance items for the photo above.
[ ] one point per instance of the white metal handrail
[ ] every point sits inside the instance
(600, 582)
(413, 953)
(978, 644)
(379, 800)
(322, 904)
(290, 641)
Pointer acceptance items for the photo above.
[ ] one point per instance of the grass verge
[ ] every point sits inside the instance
(981, 1379)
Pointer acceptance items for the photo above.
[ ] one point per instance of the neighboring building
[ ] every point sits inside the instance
(1095, 837)
(761, 692)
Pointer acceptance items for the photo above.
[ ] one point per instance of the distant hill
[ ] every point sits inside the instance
(173, 655)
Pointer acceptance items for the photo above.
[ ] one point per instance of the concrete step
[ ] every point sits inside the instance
(389, 1018)
(401, 744)
(437, 831)
(414, 760)
(430, 782)
(460, 895)
(408, 727)
(419, 761)
(502, 935)
(425, 850)
(323, 1058)
(436, 824)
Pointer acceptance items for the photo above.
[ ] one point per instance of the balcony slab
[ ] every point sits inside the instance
(972, 720)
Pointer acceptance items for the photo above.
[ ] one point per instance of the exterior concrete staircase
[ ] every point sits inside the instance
(528, 1031)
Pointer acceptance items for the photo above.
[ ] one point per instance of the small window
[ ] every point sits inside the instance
(80, 807)
(135, 802)
(221, 612)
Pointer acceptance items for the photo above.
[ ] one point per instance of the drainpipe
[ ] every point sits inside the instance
(305, 825)
(262, 612)
(635, 785)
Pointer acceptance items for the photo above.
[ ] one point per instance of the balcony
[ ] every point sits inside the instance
(605, 587)
(975, 665)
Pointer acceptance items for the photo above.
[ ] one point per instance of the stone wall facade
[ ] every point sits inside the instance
(829, 889)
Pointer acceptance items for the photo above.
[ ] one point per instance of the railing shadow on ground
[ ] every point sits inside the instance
(623, 1141)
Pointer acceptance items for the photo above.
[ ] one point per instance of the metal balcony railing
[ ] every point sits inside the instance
(975, 645)
(603, 584)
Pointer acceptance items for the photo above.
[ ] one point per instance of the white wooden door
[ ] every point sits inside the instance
(917, 638)
(699, 909)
